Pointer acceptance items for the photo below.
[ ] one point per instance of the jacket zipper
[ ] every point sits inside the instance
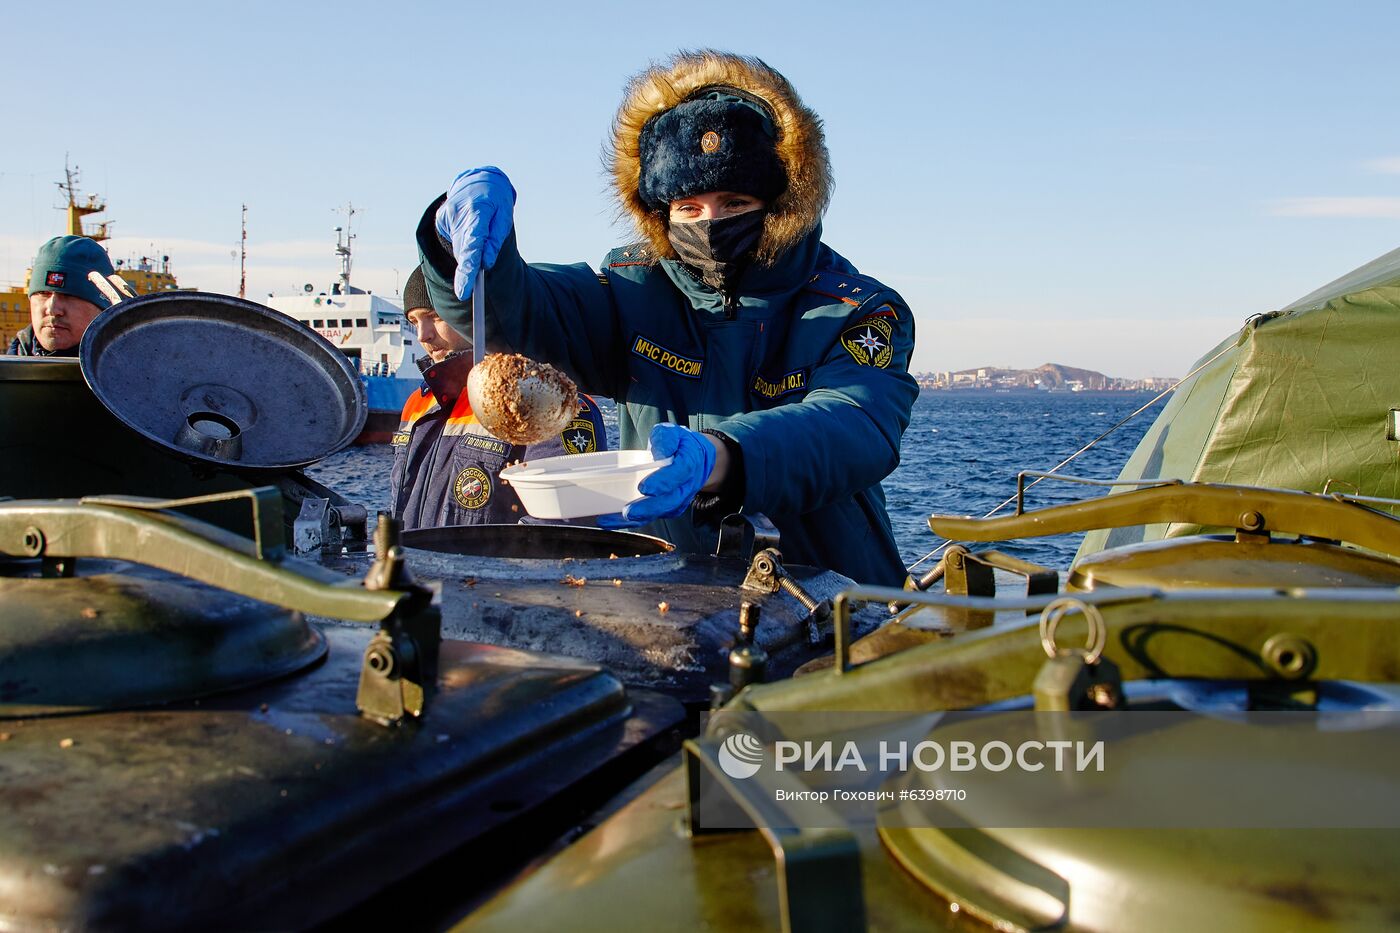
(731, 305)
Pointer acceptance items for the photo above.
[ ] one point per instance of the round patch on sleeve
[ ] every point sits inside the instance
(579, 437)
(472, 488)
(869, 342)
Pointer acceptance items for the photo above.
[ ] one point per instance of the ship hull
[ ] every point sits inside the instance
(386, 397)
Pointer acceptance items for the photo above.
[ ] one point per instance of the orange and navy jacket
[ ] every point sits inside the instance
(447, 467)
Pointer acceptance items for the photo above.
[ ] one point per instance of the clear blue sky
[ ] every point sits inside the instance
(1108, 185)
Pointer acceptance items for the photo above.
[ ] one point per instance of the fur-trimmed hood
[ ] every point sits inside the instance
(801, 146)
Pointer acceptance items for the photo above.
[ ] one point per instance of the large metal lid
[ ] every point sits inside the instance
(223, 381)
(120, 636)
(1220, 561)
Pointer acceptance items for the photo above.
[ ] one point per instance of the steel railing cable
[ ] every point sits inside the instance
(1065, 462)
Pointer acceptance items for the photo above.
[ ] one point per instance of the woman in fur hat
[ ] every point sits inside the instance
(732, 338)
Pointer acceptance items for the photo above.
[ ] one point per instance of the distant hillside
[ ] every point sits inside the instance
(1050, 376)
(1058, 375)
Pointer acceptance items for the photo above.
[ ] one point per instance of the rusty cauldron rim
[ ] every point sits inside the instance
(535, 542)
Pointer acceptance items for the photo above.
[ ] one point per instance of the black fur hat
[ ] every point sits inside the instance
(798, 142)
(719, 140)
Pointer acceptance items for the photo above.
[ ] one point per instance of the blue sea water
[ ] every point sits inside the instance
(963, 449)
(960, 456)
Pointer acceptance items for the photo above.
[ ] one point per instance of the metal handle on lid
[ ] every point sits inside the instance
(818, 867)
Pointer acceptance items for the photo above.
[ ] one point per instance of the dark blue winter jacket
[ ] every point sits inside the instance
(804, 367)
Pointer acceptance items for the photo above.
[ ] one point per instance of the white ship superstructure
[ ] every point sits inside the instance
(372, 331)
(367, 328)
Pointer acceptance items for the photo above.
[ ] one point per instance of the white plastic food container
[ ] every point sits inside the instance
(581, 485)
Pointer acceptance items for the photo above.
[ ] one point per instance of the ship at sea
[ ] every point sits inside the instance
(146, 275)
(373, 332)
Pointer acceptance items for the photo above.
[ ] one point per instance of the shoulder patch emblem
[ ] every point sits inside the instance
(472, 488)
(667, 359)
(579, 437)
(55, 279)
(869, 341)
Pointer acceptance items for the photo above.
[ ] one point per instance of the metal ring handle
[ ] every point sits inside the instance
(1055, 612)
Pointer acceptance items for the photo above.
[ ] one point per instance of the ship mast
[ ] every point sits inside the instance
(243, 257)
(76, 211)
(343, 236)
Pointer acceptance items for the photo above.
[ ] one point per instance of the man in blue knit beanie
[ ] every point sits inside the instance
(62, 300)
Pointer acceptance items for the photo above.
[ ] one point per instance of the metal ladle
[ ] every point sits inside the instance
(514, 398)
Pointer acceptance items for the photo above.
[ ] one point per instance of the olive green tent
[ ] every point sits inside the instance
(1303, 398)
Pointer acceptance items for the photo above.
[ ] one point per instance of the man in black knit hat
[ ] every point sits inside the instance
(446, 465)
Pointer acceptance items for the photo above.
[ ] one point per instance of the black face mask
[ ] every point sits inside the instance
(718, 249)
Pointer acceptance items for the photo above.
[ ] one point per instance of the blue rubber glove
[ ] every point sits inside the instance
(669, 491)
(476, 218)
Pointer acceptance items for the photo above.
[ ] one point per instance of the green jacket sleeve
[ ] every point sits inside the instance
(559, 314)
(844, 436)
